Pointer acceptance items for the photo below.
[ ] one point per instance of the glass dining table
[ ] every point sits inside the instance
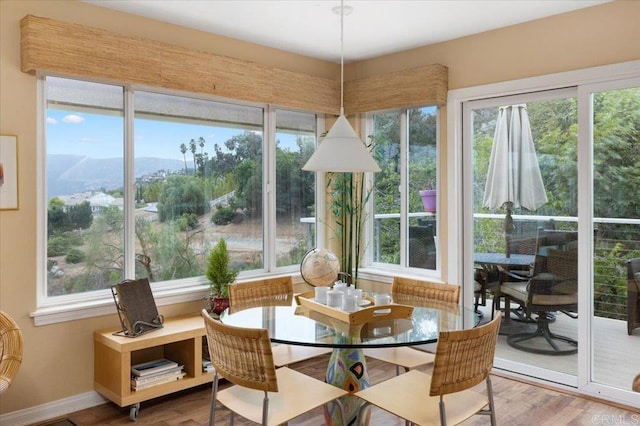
(295, 324)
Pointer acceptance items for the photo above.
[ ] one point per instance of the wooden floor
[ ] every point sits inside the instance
(517, 403)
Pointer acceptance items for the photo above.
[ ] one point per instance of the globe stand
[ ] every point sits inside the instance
(345, 277)
(319, 267)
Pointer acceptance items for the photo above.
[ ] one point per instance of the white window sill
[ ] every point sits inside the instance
(73, 311)
(106, 305)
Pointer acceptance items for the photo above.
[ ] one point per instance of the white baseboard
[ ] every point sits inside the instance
(52, 410)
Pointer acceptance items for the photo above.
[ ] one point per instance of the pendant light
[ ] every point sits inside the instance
(341, 150)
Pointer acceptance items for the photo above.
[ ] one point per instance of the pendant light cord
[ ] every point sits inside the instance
(341, 57)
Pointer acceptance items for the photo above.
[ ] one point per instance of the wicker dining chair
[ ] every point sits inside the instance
(463, 359)
(411, 290)
(276, 291)
(11, 347)
(260, 392)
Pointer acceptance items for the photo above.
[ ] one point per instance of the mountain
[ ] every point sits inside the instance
(69, 174)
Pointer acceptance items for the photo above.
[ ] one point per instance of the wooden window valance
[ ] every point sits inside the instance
(70, 49)
(425, 85)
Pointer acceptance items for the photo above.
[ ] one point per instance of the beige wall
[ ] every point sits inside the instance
(58, 359)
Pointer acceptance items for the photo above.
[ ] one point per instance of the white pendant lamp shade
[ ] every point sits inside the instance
(341, 150)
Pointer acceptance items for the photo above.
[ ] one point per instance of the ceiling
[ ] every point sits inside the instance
(373, 28)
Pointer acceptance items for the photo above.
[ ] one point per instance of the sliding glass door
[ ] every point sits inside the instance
(585, 141)
(523, 155)
(613, 133)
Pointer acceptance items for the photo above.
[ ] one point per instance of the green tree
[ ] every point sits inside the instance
(242, 159)
(151, 192)
(80, 216)
(56, 216)
(182, 194)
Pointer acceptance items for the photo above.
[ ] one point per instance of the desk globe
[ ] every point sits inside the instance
(320, 267)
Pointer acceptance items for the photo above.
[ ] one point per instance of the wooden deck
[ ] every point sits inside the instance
(616, 353)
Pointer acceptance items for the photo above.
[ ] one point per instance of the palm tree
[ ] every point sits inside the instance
(192, 146)
(183, 150)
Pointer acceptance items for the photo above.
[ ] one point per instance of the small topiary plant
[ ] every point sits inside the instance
(218, 272)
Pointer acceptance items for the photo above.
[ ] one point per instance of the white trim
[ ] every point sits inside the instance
(52, 409)
(462, 244)
(546, 82)
(41, 191)
(269, 226)
(129, 183)
(103, 306)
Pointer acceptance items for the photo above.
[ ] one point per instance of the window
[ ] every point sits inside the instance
(405, 221)
(147, 192)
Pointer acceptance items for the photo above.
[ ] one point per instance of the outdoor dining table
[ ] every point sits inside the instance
(490, 261)
(295, 324)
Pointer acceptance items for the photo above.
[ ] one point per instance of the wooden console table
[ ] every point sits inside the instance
(180, 340)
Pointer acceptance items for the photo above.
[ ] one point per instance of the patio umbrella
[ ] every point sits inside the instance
(513, 178)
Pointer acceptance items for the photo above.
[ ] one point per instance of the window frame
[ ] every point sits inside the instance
(384, 272)
(54, 309)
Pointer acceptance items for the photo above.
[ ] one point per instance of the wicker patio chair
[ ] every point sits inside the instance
(11, 347)
(553, 288)
(412, 291)
(463, 359)
(633, 294)
(260, 392)
(272, 292)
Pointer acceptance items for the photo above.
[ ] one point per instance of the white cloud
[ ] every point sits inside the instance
(51, 120)
(72, 119)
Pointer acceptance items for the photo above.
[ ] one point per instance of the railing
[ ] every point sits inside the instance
(617, 240)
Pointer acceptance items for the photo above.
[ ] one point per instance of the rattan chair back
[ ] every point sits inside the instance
(407, 287)
(241, 355)
(267, 292)
(464, 358)
(520, 245)
(11, 348)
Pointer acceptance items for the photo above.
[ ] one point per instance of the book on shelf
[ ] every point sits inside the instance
(157, 376)
(153, 367)
(144, 383)
(207, 366)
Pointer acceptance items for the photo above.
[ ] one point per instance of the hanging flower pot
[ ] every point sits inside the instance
(429, 200)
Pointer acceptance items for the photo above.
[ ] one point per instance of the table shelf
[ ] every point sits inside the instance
(180, 340)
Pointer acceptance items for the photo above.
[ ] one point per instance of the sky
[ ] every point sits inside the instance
(101, 136)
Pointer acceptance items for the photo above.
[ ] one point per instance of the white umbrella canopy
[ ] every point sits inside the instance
(513, 178)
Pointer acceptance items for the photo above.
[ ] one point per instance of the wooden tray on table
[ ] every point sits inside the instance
(362, 316)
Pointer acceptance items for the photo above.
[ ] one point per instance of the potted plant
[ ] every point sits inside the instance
(220, 275)
(428, 193)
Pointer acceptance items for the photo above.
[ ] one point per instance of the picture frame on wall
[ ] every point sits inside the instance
(8, 172)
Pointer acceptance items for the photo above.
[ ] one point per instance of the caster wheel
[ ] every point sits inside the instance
(133, 412)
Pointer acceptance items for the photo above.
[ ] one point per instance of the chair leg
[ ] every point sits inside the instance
(265, 409)
(443, 415)
(214, 395)
(542, 330)
(492, 407)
